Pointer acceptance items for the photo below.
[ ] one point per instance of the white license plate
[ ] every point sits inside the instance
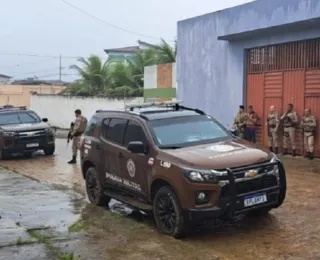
(255, 199)
(32, 145)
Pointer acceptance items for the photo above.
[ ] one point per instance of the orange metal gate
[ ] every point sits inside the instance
(282, 74)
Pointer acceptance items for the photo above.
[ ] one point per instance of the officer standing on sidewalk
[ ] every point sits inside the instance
(239, 122)
(273, 121)
(308, 126)
(290, 120)
(251, 123)
(80, 125)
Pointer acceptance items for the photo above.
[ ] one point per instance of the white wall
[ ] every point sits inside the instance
(60, 109)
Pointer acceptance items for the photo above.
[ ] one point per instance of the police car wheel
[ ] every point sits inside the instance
(49, 150)
(94, 188)
(168, 213)
(3, 155)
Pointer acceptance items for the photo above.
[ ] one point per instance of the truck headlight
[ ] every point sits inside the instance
(50, 130)
(206, 176)
(8, 134)
(276, 160)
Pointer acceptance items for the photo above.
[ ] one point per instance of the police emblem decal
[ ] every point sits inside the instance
(131, 168)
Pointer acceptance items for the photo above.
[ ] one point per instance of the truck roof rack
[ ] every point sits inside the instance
(175, 105)
(10, 107)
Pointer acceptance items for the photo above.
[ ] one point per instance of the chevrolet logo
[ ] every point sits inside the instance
(30, 134)
(251, 174)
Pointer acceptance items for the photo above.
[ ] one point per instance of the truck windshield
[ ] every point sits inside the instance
(18, 118)
(173, 133)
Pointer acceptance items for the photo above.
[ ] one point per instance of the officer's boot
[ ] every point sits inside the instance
(73, 160)
(285, 151)
(270, 149)
(276, 150)
(293, 153)
(311, 156)
(307, 155)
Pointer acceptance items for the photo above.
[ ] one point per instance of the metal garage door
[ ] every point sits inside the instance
(282, 74)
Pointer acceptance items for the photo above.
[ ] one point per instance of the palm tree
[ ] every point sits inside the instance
(140, 60)
(95, 74)
(165, 52)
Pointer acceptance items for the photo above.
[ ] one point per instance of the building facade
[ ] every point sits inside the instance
(160, 82)
(4, 79)
(263, 53)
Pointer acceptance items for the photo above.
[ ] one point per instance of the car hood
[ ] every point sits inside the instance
(25, 127)
(226, 154)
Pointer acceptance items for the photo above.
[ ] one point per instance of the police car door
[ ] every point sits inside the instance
(112, 139)
(134, 167)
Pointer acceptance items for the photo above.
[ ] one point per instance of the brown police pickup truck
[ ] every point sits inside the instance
(179, 164)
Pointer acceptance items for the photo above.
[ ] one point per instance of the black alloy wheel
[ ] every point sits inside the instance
(94, 189)
(168, 213)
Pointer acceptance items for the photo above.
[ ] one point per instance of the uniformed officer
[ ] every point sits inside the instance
(290, 120)
(251, 122)
(239, 122)
(308, 126)
(80, 125)
(273, 122)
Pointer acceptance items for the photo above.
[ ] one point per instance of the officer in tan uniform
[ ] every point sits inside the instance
(308, 126)
(273, 122)
(80, 125)
(290, 120)
(251, 123)
(239, 122)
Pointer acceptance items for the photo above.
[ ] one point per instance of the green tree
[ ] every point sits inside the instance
(95, 75)
(165, 52)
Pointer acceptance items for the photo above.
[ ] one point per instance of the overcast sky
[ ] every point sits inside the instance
(51, 28)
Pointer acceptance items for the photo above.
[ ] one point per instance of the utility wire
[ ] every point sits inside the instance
(38, 56)
(27, 63)
(107, 23)
(35, 72)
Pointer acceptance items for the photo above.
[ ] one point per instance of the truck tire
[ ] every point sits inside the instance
(3, 155)
(94, 189)
(49, 150)
(168, 214)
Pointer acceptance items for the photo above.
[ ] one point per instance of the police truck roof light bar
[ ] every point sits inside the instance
(153, 104)
(9, 107)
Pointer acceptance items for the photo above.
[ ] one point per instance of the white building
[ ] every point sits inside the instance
(4, 79)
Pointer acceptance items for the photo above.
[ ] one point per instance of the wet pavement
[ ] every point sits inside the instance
(290, 232)
(29, 208)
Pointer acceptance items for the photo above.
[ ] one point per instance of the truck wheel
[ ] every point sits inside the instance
(49, 150)
(94, 188)
(3, 155)
(168, 213)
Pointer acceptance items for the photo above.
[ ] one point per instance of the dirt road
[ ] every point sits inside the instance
(290, 232)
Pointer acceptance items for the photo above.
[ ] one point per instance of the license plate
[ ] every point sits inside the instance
(32, 145)
(255, 199)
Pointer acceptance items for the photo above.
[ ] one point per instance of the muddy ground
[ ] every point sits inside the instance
(290, 232)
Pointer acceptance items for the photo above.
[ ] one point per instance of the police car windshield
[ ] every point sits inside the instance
(16, 118)
(177, 132)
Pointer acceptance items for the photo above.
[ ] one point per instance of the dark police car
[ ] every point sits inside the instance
(22, 131)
